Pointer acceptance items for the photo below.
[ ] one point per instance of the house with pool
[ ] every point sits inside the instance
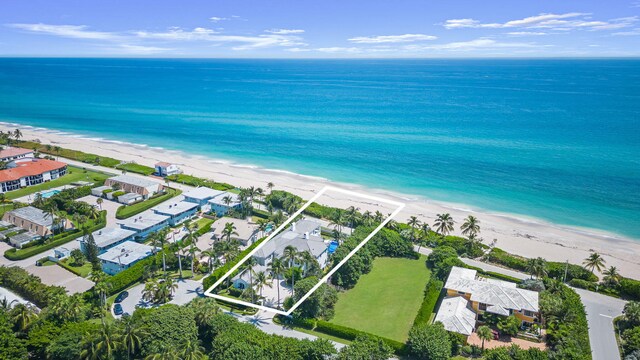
(144, 223)
(30, 171)
(304, 235)
(177, 211)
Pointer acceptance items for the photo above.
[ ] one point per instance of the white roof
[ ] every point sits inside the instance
(108, 236)
(33, 215)
(500, 296)
(126, 253)
(101, 188)
(135, 180)
(456, 315)
(202, 193)
(244, 229)
(219, 199)
(172, 207)
(129, 196)
(144, 220)
(295, 236)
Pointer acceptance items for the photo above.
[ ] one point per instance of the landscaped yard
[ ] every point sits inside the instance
(385, 301)
(73, 174)
(126, 211)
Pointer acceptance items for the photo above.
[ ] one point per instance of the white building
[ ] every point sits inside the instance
(166, 169)
(13, 153)
(134, 184)
(144, 223)
(177, 211)
(26, 172)
(123, 256)
(201, 196)
(246, 232)
(107, 238)
(220, 206)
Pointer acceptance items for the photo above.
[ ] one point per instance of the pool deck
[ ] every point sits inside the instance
(29, 198)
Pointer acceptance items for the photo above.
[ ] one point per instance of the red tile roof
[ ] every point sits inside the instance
(30, 168)
(13, 151)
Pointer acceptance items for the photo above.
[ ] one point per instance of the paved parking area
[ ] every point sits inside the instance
(187, 291)
(55, 275)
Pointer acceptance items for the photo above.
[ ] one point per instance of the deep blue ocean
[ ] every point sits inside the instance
(554, 139)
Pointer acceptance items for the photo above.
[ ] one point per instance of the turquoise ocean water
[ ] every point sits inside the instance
(554, 139)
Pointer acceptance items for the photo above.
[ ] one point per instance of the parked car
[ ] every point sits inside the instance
(117, 309)
(123, 295)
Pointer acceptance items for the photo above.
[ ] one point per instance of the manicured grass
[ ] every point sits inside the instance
(73, 174)
(136, 168)
(385, 301)
(83, 270)
(4, 208)
(126, 211)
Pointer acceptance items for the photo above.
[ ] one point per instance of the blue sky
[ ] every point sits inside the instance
(320, 29)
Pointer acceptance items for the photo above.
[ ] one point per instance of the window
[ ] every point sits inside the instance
(482, 306)
(460, 292)
(528, 313)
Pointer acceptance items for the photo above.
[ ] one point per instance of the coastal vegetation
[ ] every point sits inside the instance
(136, 168)
(126, 211)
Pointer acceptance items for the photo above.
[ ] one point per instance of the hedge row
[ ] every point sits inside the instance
(431, 295)
(555, 270)
(15, 254)
(351, 334)
(196, 181)
(127, 211)
(130, 276)
(630, 288)
(219, 272)
(136, 168)
(70, 268)
(28, 286)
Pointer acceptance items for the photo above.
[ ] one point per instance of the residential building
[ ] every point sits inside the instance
(468, 292)
(27, 172)
(35, 221)
(21, 239)
(222, 203)
(144, 223)
(99, 191)
(134, 184)
(107, 238)
(165, 169)
(201, 196)
(304, 235)
(123, 256)
(246, 232)
(60, 253)
(129, 198)
(13, 153)
(177, 211)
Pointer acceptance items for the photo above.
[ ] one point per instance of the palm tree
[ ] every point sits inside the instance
(17, 134)
(425, 231)
(99, 201)
(165, 354)
(367, 218)
(290, 254)
(108, 341)
(102, 289)
(263, 224)
(484, 333)
(593, 262)
(306, 259)
(378, 216)
(270, 187)
(352, 216)
(131, 335)
(250, 263)
(338, 219)
(23, 315)
(191, 350)
(611, 276)
(276, 268)
(57, 150)
(277, 218)
(537, 267)
(227, 200)
(414, 223)
(229, 230)
(204, 309)
(261, 280)
(444, 224)
(470, 227)
(210, 254)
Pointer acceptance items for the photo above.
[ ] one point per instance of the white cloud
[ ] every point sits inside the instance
(481, 43)
(216, 19)
(339, 49)
(139, 49)
(561, 22)
(526, 33)
(68, 31)
(285, 31)
(391, 38)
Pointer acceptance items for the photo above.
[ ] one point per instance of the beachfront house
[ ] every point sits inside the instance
(246, 231)
(36, 222)
(177, 211)
(134, 184)
(123, 256)
(107, 238)
(30, 171)
(201, 196)
(304, 235)
(165, 169)
(144, 223)
(9, 154)
(469, 297)
(222, 203)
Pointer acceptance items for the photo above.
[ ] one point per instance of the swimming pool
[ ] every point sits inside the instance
(332, 247)
(48, 194)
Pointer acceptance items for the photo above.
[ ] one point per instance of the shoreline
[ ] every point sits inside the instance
(518, 234)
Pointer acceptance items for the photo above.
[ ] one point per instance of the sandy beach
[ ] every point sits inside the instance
(517, 234)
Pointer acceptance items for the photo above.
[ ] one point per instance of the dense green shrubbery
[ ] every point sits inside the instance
(60, 239)
(196, 181)
(429, 342)
(28, 286)
(462, 246)
(72, 154)
(555, 270)
(630, 288)
(567, 328)
(348, 333)
(168, 326)
(431, 295)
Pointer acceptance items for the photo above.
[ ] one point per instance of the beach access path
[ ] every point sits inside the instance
(601, 310)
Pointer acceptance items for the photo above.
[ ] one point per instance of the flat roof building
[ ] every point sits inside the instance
(177, 211)
(123, 256)
(134, 184)
(144, 223)
(108, 237)
(34, 220)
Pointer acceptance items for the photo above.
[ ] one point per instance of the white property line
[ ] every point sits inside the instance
(399, 208)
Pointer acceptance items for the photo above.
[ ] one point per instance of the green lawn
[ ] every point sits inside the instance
(136, 168)
(83, 270)
(385, 301)
(73, 174)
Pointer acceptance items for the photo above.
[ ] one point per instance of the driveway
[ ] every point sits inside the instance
(55, 275)
(187, 291)
(109, 205)
(601, 310)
